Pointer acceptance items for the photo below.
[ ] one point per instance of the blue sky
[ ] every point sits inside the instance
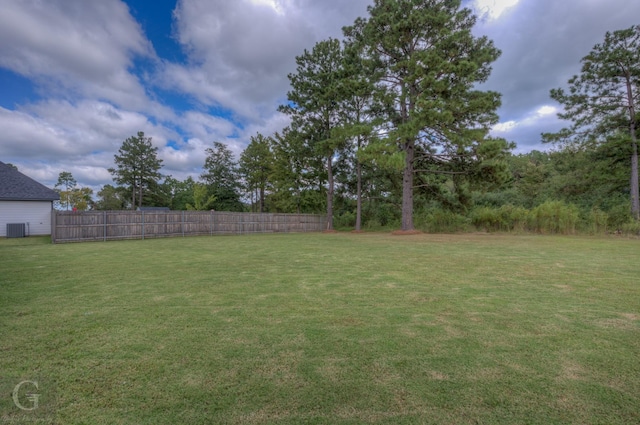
(78, 77)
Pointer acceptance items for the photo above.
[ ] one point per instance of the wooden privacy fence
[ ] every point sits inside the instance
(115, 225)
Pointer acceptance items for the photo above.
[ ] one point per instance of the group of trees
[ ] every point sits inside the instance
(72, 196)
(390, 124)
(399, 96)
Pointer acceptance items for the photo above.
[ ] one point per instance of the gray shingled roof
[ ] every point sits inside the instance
(15, 186)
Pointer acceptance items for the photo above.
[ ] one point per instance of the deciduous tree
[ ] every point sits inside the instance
(111, 198)
(202, 201)
(81, 198)
(180, 192)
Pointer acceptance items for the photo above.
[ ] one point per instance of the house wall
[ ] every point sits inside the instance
(36, 213)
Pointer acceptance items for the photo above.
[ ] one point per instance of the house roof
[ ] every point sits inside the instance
(15, 186)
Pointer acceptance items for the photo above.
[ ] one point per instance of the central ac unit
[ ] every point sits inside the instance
(15, 230)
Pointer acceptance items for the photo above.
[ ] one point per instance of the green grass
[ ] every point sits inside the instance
(323, 329)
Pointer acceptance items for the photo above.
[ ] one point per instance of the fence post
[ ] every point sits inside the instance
(182, 224)
(53, 225)
(142, 224)
(104, 226)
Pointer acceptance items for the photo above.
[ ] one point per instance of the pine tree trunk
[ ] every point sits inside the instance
(254, 200)
(359, 198)
(408, 106)
(635, 190)
(407, 187)
(330, 194)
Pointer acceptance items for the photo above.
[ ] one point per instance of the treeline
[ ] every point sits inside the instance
(564, 191)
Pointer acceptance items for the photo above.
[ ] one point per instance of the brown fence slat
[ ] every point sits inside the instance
(67, 226)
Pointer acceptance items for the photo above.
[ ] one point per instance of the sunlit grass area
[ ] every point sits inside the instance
(323, 329)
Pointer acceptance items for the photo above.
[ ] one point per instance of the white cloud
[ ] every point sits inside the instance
(207, 127)
(527, 129)
(494, 8)
(80, 138)
(504, 127)
(273, 4)
(542, 43)
(85, 47)
(26, 136)
(241, 52)
(186, 161)
(547, 110)
(531, 119)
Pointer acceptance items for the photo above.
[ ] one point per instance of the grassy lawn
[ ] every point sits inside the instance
(323, 329)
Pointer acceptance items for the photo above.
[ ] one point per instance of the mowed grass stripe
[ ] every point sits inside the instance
(325, 328)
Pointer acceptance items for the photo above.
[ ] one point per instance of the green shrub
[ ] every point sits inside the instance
(514, 218)
(345, 220)
(386, 214)
(507, 218)
(598, 221)
(487, 218)
(631, 227)
(442, 221)
(373, 224)
(619, 215)
(554, 217)
(497, 199)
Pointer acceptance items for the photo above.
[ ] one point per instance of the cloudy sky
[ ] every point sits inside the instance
(78, 77)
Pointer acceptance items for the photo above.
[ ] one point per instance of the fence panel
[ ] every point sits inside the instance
(68, 226)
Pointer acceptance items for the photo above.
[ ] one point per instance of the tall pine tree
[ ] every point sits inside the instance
(137, 166)
(314, 105)
(220, 173)
(256, 166)
(603, 101)
(430, 65)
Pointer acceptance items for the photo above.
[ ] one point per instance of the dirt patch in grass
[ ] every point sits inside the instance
(626, 322)
(438, 376)
(563, 288)
(406, 232)
(347, 322)
(571, 371)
